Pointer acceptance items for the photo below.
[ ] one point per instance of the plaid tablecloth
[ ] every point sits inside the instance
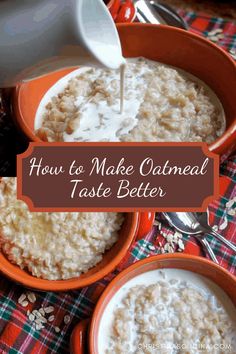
(17, 335)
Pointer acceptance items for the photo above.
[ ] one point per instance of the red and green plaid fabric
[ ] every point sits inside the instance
(202, 24)
(16, 332)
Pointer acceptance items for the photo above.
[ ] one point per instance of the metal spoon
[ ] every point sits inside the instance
(187, 223)
(203, 219)
(153, 11)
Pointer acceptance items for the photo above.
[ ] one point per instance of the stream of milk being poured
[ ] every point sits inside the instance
(100, 121)
(103, 122)
(122, 87)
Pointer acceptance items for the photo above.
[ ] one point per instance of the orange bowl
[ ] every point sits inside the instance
(168, 45)
(84, 337)
(110, 260)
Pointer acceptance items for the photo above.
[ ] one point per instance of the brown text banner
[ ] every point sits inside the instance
(117, 176)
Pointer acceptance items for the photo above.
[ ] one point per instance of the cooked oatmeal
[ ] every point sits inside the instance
(53, 245)
(161, 104)
(170, 317)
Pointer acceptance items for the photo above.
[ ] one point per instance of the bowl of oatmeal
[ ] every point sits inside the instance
(60, 251)
(174, 91)
(164, 304)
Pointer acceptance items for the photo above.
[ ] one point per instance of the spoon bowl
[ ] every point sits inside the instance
(188, 223)
(156, 12)
(184, 222)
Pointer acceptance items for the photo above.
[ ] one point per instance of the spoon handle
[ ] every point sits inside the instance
(208, 248)
(222, 239)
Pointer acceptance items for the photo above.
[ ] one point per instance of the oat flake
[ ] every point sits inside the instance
(49, 309)
(67, 319)
(31, 297)
(224, 224)
(21, 298)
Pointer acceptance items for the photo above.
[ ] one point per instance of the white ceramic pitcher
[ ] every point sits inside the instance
(40, 36)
